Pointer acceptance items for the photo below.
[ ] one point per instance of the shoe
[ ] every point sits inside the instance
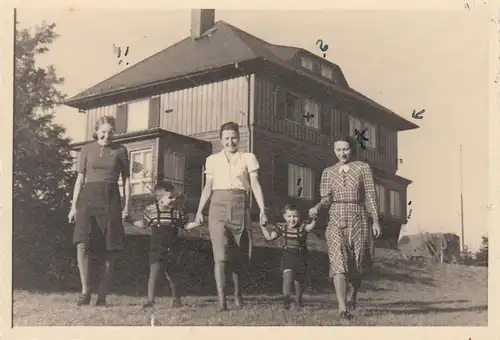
(299, 303)
(351, 306)
(101, 302)
(286, 303)
(345, 315)
(177, 303)
(148, 304)
(238, 300)
(222, 308)
(83, 299)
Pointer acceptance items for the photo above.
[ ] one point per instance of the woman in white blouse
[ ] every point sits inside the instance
(230, 176)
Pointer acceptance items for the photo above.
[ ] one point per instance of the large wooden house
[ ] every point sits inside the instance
(289, 103)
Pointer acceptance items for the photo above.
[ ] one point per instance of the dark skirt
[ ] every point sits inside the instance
(229, 224)
(295, 260)
(163, 242)
(98, 220)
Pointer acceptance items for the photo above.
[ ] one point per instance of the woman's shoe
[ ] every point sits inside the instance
(84, 299)
(345, 315)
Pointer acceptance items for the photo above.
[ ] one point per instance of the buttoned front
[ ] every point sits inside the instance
(233, 172)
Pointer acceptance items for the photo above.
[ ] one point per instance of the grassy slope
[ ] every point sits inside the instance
(396, 293)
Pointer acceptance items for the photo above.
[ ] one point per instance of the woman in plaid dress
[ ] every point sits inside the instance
(348, 188)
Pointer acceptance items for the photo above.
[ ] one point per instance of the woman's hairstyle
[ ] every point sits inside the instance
(346, 138)
(101, 121)
(229, 126)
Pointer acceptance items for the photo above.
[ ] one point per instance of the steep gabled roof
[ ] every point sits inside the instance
(222, 45)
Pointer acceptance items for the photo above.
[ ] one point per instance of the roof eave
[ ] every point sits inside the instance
(142, 135)
(83, 102)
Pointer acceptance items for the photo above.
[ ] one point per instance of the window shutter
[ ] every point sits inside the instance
(326, 122)
(280, 176)
(154, 112)
(121, 118)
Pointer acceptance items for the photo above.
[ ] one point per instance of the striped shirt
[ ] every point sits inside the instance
(156, 216)
(292, 238)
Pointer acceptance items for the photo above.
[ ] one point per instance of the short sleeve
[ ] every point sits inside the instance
(124, 162)
(82, 160)
(251, 163)
(210, 166)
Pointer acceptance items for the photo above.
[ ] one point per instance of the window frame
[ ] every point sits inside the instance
(145, 181)
(396, 206)
(371, 132)
(381, 203)
(297, 117)
(327, 68)
(305, 62)
(130, 114)
(292, 178)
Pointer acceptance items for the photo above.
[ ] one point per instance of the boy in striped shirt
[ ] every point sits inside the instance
(293, 234)
(165, 216)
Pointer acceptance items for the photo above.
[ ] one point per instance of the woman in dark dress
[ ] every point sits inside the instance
(96, 207)
(348, 189)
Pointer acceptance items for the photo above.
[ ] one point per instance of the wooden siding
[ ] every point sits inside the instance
(205, 108)
(265, 117)
(94, 114)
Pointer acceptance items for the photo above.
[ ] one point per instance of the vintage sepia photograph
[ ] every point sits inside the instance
(216, 167)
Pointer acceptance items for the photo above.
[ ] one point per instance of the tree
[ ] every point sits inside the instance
(42, 160)
(482, 253)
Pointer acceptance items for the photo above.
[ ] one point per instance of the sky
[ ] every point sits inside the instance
(404, 60)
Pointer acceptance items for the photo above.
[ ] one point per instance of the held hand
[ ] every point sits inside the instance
(71, 215)
(263, 218)
(125, 213)
(313, 212)
(199, 218)
(377, 231)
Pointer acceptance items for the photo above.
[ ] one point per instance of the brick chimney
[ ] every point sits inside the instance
(201, 21)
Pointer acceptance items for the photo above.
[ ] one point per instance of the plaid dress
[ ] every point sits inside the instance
(350, 192)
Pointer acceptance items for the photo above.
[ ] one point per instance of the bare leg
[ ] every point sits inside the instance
(354, 284)
(287, 287)
(339, 280)
(299, 290)
(220, 281)
(83, 267)
(154, 270)
(174, 290)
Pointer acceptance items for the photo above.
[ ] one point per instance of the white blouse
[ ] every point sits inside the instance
(231, 174)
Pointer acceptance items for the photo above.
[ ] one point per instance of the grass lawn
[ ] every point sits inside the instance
(396, 293)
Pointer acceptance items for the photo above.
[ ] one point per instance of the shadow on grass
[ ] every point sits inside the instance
(194, 271)
(424, 310)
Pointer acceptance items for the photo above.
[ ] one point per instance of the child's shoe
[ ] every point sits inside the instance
(148, 304)
(177, 303)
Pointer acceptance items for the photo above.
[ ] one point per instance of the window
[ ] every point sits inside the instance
(300, 182)
(326, 72)
(174, 165)
(310, 113)
(141, 172)
(138, 115)
(306, 63)
(292, 107)
(361, 126)
(381, 198)
(395, 204)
